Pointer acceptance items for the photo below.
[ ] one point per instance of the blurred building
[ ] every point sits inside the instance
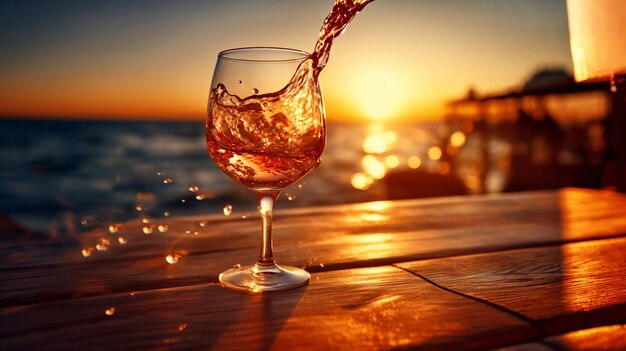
(548, 132)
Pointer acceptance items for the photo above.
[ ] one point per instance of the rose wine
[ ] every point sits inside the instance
(269, 141)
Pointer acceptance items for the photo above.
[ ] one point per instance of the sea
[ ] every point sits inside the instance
(60, 177)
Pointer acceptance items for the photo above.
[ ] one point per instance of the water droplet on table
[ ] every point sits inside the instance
(103, 245)
(173, 258)
(87, 252)
(228, 210)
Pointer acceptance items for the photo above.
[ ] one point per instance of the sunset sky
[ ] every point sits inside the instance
(154, 59)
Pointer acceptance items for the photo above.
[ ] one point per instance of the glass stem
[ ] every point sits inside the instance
(266, 257)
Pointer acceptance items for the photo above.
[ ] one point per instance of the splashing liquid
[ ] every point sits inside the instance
(334, 24)
(242, 138)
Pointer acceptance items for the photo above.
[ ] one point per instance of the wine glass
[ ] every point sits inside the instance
(266, 129)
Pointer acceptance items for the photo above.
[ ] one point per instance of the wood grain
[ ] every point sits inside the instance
(611, 337)
(360, 309)
(336, 237)
(564, 288)
(531, 346)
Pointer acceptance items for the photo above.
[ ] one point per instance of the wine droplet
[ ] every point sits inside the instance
(173, 258)
(122, 240)
(202, 223)
(148, 229)
(109, 311)
(87, 252)
(84, 221)
(194, 188)
(240, 81)
(228, 209)
(114, 228)
(160, 173)
(200, 197)
(183, 326)
(103, 245)
(237, 265)
(255, 91)
(168, 181)
(163, 228)
(145, 220)
(139, 208)
(167, 213)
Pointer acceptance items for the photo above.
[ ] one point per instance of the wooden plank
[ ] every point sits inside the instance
(359, 309)
(611, 337)
(605, 338)
(571, 211)
(571, 287)
(531, 346)
(336, 237)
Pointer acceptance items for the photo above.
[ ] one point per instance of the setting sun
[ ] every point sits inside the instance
(380, 92)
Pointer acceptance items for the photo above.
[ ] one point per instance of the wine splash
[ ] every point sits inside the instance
(271, 140)
(334, 24)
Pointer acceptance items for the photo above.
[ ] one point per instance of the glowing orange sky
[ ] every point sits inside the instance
(398, 59)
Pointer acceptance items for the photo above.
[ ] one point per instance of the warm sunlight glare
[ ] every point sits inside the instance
(361, 181)
(434, 153)
(414, 162)
(373, 167)
(379, 92)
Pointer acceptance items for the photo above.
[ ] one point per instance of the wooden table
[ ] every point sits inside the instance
(522, 271)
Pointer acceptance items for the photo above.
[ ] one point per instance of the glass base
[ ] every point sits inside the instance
(264, 277)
